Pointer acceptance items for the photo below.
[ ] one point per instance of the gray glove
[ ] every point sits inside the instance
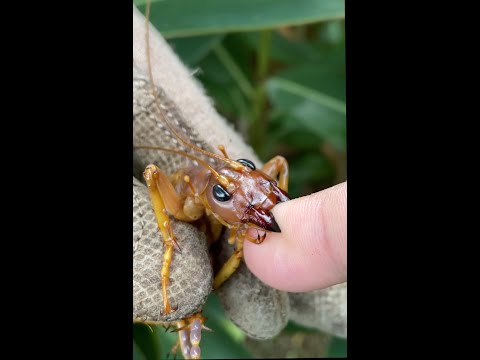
(262, 312)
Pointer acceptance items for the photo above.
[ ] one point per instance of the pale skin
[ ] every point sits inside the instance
(311, 251)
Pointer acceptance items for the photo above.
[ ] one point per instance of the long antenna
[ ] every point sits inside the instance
(222, 179)
(235, 165)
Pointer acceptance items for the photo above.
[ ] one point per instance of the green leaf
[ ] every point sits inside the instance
(296, 91)
(180, 18)
(168, 340)
(137, 353)
(285, 50)
(326, 78)
(293, 52)
(193, 49)
(316, 111)
(337, 348)
(332, 32)
(311, 170)
(234, 70)
(321, 49)
(145, 342)
(293, 327)
(220, 86)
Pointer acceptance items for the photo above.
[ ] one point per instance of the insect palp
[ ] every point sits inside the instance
(246, 211)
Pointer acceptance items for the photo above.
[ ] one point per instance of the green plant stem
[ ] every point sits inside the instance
(234, 71)
(258, 123)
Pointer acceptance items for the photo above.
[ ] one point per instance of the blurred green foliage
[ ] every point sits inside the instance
(276, 70)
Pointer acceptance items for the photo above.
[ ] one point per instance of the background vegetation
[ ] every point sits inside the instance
(276, 70)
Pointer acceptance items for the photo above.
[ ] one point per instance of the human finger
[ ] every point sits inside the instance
(310, 252)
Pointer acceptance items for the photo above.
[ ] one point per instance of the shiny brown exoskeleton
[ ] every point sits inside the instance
(249, 197)
(234, 194)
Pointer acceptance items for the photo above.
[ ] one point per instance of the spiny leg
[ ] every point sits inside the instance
(278, 166)
(183, 339)
(232, 236)
(235, 259)
(153, 176)
(195, 328)
(259, 239)
(275, 167)
(195, 337)
(233, 262)
(189, 335)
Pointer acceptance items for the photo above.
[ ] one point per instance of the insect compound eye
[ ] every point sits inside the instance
(220, 193)
(248, 163)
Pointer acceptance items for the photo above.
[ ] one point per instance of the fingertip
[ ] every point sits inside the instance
(310, 251)
(262, 260)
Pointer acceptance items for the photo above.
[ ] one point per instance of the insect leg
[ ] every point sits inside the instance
(195, 327)
(195, 337)
(173, 350)
(212, 228)
(184, 338)
(278, 166)
(155, 181)
(232, 263)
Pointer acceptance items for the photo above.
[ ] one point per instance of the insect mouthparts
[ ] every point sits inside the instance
(274, 226)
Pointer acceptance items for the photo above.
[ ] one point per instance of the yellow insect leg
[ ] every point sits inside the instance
(232, 263)
(152, 176)
(278, 166)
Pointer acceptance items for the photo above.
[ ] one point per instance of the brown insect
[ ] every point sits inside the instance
(234, 194)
